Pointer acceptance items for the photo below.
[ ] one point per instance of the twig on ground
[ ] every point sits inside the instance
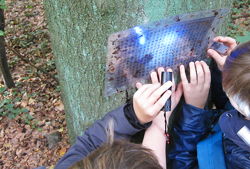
(31, 64)
(242, 16)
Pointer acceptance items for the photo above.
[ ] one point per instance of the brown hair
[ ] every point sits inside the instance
(236, 76)
(119, 155)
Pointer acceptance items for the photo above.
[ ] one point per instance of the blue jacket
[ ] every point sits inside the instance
(126, 124)
(194, 125)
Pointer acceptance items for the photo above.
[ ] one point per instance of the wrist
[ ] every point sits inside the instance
(157, 130)
(141, 120)
(132, 117)
(160, 128)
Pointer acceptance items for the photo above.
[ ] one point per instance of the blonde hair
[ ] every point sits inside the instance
(236, 77)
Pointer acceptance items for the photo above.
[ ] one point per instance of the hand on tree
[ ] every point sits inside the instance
(220, 59)
(196, 91)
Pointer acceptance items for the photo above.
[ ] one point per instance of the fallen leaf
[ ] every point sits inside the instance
(60, 130)
(31, 101)
(60, 107)
(62, 151)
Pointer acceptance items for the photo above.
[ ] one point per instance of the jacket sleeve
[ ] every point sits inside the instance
(125, 125)
(192, 125)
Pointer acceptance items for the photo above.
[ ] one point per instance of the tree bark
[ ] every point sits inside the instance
(9, 83)
(79, 30)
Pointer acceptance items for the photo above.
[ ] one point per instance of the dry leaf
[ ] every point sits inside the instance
(60, 107)
(62, 151)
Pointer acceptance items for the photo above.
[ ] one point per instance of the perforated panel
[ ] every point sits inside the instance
(133, 53)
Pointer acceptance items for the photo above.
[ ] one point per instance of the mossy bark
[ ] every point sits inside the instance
(79, 30)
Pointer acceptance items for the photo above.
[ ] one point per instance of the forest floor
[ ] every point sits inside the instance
(32, 120)
(32, 113)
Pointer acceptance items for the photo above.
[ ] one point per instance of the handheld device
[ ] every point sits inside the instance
(166, 76)
(219, 47)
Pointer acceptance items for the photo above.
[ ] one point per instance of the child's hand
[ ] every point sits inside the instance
(159, 121)
(154, 137)
(220, 59)
(150, 98)
(176, 93)
(196, 92)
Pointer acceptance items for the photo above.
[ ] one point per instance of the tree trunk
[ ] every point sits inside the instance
(3, 60)
(79, 31)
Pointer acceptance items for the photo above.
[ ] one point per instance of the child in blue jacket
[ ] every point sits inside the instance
(190, 149)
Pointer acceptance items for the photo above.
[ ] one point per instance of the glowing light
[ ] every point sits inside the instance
(142, 40)
(170, 38)
(139, 32)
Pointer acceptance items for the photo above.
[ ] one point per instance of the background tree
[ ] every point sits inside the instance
(3, 59)
(79, 31)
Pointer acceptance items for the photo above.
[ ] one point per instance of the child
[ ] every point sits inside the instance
(128, 120)
(195, 121)
(119, 155)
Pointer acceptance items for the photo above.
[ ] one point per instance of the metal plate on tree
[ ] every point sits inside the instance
(133, 53)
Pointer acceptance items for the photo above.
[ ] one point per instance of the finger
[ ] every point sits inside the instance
(183, 75)
(160, 70)
(150, 90)
(228, 41)
(200, 73)
(173, 86)
(178, 93)
(231, 43)
(176, 96)
(138, 85)
(154, 77)
(207, 74)
(141, 90)
(193, 78)
(159, 92)
(161, 102)
(216, 56)
(218, 38)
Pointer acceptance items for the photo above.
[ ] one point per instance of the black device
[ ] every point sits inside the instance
(166, 76)
(219, 47)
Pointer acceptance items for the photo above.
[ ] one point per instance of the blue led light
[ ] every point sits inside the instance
(142, 40)
(139, 32)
